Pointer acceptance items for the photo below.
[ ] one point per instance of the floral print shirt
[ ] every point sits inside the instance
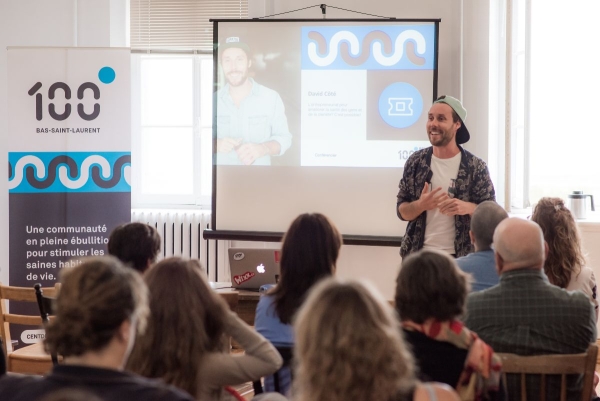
(473, 184)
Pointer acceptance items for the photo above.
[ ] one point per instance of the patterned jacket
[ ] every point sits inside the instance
(473, 184)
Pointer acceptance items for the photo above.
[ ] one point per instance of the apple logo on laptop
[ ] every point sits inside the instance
(260, 268)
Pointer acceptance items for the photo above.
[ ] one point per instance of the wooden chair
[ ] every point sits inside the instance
(31, 359)
(562, 365)
(45, 306)
(287, 354)
(232, 299)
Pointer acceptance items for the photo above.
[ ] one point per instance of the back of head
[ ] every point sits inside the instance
(565, 256)
(485, 219)
(349, 346)
(135, 244)
(430, 285)
(518, 244)
(309, 252)
(95, 298)
(186, 321)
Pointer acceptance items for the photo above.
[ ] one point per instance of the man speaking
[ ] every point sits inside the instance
(251, 121)
(442, 185)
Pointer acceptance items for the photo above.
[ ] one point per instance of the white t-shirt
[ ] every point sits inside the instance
(440, 229)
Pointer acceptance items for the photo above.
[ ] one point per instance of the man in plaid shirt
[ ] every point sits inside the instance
(525, 314)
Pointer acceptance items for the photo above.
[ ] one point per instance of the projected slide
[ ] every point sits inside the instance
(362, 87)
(318, 116)
(327, 94)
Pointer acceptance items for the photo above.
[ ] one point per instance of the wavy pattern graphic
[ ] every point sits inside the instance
(350, 48)
(70, 172)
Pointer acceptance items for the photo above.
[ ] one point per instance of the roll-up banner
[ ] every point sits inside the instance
(69, 158)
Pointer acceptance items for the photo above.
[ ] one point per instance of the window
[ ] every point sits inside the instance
(552, 104)
(172, 71)
(173, 142)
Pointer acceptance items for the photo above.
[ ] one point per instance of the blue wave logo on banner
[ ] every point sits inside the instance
(406, 47)
(69, 172)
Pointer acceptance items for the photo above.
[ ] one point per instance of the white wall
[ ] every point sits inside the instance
(49, 23)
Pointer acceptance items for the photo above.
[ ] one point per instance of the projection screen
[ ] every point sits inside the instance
(318, 116)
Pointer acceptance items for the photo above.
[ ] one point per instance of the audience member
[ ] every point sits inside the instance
(565, 262)
(309, 253)
(527, 315)
(480, 264)
(348, 347)
(430, 295)
(135, 244)
(185, 341)
(99, 309)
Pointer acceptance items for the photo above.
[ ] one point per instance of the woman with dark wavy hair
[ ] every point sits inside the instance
(185, 344)
(309, 253)
(565, 263)
(99, 309)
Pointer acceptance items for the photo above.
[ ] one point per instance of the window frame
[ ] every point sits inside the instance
(196, 199)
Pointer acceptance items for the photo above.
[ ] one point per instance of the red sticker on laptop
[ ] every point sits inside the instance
(277, 256)
(243, 277)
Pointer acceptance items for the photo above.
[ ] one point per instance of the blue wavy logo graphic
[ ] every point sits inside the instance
(369, 47)
(69, 172)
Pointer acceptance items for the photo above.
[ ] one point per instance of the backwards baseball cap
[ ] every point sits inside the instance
(462, 135)
(234, 41)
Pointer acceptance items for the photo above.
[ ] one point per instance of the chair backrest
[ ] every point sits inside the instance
(543, 365)
(20, 294)
(45, 305)
(231, 298)
(287, 354)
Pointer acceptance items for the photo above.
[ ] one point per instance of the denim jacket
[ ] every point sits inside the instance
(473, 184)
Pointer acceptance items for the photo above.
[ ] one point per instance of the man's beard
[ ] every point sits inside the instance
(440, 138)
(238, 80)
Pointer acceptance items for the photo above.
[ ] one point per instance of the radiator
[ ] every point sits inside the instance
(181, 232)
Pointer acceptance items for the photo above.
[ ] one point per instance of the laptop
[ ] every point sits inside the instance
(252, 268)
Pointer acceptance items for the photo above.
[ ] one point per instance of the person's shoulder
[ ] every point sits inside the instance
(265, 312)
(416, 157)
(442, 392)
(156, 390)
(265, 301)
(484, 296)
(473, 159)
(418, 154)
(12, 386)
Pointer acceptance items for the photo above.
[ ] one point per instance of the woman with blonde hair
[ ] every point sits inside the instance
(565, 263)
(349, 347)
(185, 343)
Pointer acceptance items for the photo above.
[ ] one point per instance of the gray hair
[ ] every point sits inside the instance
(486, 217)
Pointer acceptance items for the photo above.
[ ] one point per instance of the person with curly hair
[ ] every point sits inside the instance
(349, 347)
(565, 263)
(185, 344)
(430, 296)
(99, 309)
